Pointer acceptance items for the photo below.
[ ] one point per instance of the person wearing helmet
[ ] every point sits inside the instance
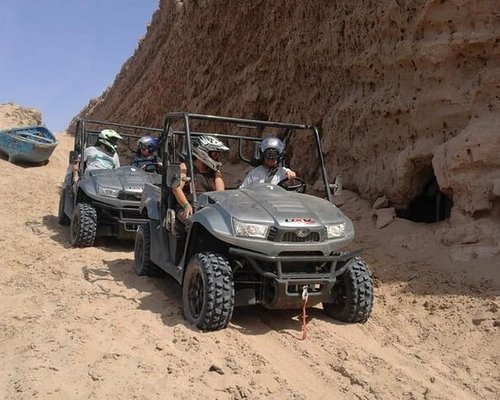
(270, 171)
(207, 152)
(145, 154)
(101, 156)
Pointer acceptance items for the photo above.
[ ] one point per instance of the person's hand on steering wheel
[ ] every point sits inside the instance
(295, 184)
(152, 167)
(290, 174)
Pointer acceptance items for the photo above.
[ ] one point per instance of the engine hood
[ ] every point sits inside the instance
(271, 204)
(127, 179)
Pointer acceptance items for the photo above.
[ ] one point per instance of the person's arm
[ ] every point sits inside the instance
(116, 159)
(180, 196)
(76, 169)
(219, 182)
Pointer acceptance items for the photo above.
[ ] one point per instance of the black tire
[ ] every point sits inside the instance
(208, 292)
(142, 250)
(352, 294)
(83, 226)
(62, 218)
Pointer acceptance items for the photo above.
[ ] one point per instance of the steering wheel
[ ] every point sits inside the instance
(153, 167)
(298, 185)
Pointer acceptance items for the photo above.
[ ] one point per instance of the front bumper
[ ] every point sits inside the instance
(121, 222)
(288, 285)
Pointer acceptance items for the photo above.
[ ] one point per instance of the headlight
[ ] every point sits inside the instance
(247, 229)
(108, 192)
(334, 231)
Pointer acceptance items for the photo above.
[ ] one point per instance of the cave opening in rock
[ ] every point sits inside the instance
(431, 205)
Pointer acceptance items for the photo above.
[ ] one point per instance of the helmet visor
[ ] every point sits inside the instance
(271, 154)
(146, 146)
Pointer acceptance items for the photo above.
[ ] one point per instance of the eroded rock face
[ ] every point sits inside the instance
(403, 92)
(13, 116)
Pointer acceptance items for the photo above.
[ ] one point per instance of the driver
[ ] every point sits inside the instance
(145, 154)
(207, 152)
(271, 150)
(101, 156)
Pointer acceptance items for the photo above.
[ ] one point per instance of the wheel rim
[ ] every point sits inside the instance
(195, 295)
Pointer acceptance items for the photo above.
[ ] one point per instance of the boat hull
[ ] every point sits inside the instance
(28, 145)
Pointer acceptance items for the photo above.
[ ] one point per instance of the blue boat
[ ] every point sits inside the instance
(32, 144)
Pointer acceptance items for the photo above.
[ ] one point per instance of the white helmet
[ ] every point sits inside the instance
(108, 138)
(203, 146)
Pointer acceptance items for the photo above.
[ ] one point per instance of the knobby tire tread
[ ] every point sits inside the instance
(219, 292)
(87, 227)
(144, 265)
(359, 286)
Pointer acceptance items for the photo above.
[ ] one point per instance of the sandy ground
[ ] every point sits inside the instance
(78, 324)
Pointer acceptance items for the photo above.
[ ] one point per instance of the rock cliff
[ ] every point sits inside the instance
(405, 92)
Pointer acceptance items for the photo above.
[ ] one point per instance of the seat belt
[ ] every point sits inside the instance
(271, 174)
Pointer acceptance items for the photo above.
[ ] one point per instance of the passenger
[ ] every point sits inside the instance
(271, 150)
(101, 156)
(207, 176)
(145, 154)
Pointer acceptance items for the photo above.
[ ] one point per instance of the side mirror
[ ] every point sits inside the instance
(173, 175)
(74, 157)
(337, 186)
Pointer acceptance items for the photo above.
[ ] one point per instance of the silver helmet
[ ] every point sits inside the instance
(203, 146)
(272, 148)
(147, 142)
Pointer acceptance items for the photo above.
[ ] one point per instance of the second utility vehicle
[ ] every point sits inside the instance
(104, 202)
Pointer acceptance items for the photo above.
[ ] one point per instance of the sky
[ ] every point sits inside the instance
(55, 55)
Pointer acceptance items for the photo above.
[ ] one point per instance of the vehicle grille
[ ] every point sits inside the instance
(272, 233)
(275, 235)
(292, 237)
(132, 214)
(129, 196)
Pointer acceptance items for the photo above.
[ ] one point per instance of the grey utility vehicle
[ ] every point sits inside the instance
(263, 244)
(104, 202)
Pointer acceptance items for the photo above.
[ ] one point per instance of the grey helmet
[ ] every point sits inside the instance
(108, 138)
(203, 146)
(272, 148)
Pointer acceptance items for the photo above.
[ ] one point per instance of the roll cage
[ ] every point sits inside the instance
(179, 129)
(87, 131)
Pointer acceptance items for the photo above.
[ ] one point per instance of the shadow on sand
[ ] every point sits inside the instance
(163, 296)
(60, 234)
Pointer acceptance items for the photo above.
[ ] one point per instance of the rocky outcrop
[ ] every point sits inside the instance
(13, 116)
(403, 91)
